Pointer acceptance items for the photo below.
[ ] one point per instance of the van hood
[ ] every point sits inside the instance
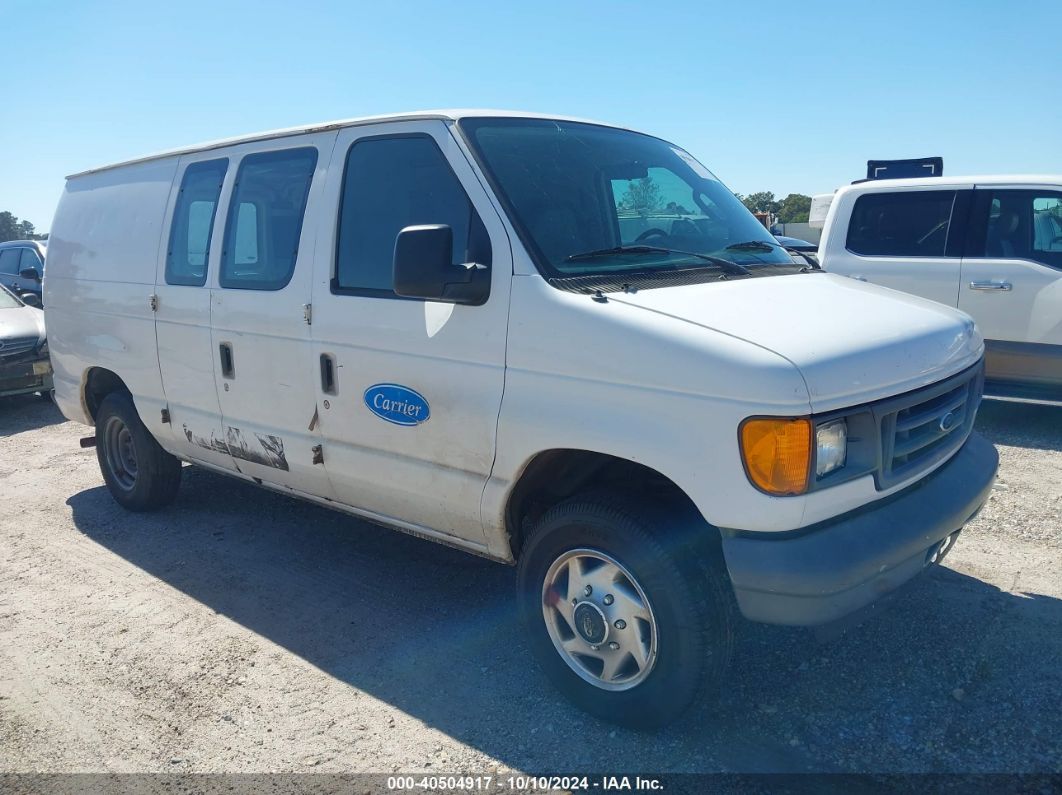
(852, 342)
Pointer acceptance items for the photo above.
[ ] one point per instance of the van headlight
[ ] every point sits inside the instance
(831, 447)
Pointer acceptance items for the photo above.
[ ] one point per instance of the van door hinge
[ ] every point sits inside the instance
(318, 454)
(165, 416)
(153, 302)
(307, 313)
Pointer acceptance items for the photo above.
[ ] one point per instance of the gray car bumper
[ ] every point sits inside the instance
(823, 573)
(17, 379)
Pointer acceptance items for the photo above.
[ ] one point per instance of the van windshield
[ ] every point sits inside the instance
(589, 200)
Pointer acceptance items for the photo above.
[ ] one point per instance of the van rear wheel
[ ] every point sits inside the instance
(140, 475)
(625, 610)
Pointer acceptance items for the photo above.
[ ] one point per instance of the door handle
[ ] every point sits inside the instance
(1004, 286)
(328, 374)
(228, 370)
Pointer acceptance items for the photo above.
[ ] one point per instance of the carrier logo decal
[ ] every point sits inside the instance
(397, 404)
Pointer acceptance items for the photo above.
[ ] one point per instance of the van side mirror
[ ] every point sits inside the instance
(30, 273)
(32, 299)
(423, 268)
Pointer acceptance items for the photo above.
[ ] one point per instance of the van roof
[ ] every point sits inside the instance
(951, 182)
(444, 115)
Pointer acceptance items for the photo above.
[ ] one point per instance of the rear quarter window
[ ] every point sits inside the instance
(901, 224)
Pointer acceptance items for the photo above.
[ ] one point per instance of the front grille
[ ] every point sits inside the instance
(922, 428)
(16, 346)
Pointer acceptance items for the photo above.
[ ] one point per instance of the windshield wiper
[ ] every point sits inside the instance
(753, 245)
(725, 265)
(766, 245)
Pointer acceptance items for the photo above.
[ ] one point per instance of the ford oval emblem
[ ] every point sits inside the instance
(947, 422)
(397, 404)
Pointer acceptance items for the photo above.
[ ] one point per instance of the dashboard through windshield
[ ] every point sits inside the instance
(592, 200)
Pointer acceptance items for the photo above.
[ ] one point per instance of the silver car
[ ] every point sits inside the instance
(24, 363)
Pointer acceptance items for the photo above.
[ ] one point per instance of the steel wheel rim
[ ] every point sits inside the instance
(626, 653)
(120, 452)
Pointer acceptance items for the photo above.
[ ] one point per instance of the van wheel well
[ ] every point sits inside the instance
(98, 384)
(555, 475)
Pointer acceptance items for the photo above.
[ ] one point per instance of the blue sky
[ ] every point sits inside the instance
(791, 97)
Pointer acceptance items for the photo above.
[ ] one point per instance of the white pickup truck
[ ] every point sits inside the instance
(990, 246)
(558, 344)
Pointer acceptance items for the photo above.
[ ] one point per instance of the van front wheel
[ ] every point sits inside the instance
(624, 608)
(140, 475)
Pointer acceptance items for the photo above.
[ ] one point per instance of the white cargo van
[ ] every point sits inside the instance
(990, 246)
(553, 343)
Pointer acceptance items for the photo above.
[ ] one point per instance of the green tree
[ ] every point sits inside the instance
(794, 209)
(13, 229)
(9, 227)
(642, 196)
(762, 202)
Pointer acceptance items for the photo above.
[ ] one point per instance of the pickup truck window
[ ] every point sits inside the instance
(573, 189)
(193, 222)
(265, 219)
(1020, 224)
(389, 183)
(901, 224)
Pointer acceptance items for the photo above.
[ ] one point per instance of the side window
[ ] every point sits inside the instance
(902, 224)
(391, 183)
(193, 223)
(265, 219)
(9, 258)
(1047, 225)
(1023, 224)
(30, 260)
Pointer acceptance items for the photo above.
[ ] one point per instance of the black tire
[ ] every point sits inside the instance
(666, 548)
(140, 475)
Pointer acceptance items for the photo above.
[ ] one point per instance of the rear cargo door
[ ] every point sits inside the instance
(189, 262)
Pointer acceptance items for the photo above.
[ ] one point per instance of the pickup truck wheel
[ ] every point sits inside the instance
(624, 611)
(140, 475)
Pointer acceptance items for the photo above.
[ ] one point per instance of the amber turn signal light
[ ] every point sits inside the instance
(777, 453)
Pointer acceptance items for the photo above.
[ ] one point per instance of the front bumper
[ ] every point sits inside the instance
(22, 377)
(825, 572)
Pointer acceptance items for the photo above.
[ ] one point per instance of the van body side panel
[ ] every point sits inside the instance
(102, 253)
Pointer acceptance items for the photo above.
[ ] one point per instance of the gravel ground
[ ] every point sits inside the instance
(245, 631)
